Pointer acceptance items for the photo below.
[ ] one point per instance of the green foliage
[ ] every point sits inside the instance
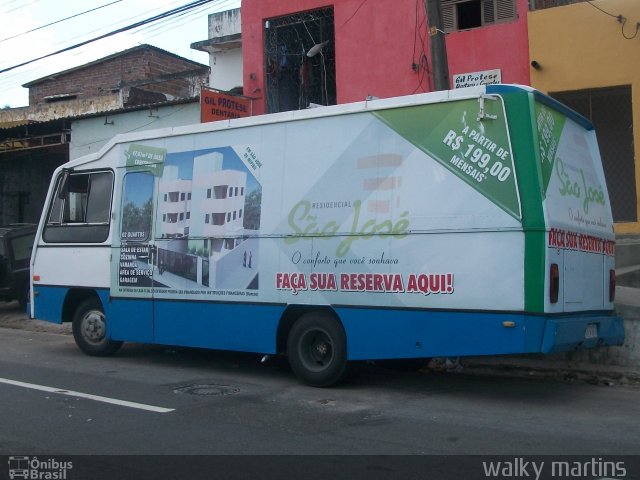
(137, 219)
(252, 209)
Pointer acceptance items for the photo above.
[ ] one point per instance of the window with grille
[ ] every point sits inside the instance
(610, 111)
(466, 14)
(300, 60)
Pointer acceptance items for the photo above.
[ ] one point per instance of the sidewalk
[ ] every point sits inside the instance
(13, 316)
(537, 366)
(611, 366)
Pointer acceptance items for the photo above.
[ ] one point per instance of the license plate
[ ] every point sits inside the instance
(591, 331)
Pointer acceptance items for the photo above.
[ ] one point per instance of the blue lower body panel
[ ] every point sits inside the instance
(414, 334)
(376, 334)
(223, 326)
(48, 302)
(372, 333)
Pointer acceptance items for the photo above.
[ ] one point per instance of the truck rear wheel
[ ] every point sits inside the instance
(317, 349)
(90, 330)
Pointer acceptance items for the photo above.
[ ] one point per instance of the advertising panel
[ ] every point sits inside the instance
(216, 105)
(395, 208)
(576, 197)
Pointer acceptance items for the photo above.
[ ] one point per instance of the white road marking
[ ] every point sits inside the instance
(88, 396)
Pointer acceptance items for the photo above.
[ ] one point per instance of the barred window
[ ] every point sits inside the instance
(300, 60)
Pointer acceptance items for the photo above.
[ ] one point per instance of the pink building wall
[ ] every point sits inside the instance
(377, 42)
(503, 45)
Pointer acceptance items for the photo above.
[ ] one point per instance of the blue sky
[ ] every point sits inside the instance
(174, 34)
(184, 162)
(138, 188)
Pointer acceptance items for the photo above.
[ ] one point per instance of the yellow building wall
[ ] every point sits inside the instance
(580, 47)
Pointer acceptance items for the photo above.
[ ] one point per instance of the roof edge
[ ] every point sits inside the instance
(145, 46)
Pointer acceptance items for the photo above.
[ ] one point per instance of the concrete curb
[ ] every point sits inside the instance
(608, 375)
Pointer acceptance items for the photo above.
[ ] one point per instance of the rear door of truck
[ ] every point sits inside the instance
(580, 237)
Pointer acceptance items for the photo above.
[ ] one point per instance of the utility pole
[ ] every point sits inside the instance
(437, 45)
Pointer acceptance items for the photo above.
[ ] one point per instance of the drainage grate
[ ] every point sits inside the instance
(207, 389)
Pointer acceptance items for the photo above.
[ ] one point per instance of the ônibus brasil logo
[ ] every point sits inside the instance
(38, 469)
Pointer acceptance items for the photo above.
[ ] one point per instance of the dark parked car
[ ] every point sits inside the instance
(16, 241)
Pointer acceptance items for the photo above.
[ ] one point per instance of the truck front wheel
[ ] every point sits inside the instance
(90, 330)
(317, 349)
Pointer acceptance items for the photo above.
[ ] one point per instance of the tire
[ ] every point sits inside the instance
(90, 330)
(317, 350)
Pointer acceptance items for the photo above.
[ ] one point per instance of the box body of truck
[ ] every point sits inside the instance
(468, 222)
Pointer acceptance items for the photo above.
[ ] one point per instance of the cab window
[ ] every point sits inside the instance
(81, 208)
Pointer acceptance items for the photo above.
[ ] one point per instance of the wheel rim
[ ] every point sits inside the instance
(93, 326)
(316, 349)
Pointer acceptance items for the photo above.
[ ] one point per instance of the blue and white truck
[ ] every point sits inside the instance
(468, 222)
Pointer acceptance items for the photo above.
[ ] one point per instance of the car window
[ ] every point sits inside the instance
(80, 211)
(21, 246)
(88, 199)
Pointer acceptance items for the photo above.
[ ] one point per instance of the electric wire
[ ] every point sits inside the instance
(177, 109)
(114, 24)
(22, 6)
(11, 78)
(48, 65)
(354, 13)
(58, 21)
(17, 77)
(415, 34)
(7, 3)
(624, 22)
(85, 40)
(153, 30)
(160, 26)
(423, 62)
(166, 14)
(603, 11)
(620, 19)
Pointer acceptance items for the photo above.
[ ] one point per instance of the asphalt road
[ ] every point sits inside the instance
(224, 403)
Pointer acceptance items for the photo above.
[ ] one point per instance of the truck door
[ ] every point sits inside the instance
(134, 260)
(581, 237)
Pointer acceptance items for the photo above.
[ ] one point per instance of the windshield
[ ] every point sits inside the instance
(21, 246)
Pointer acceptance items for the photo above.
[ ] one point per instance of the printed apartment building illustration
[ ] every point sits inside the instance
(201, 224)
